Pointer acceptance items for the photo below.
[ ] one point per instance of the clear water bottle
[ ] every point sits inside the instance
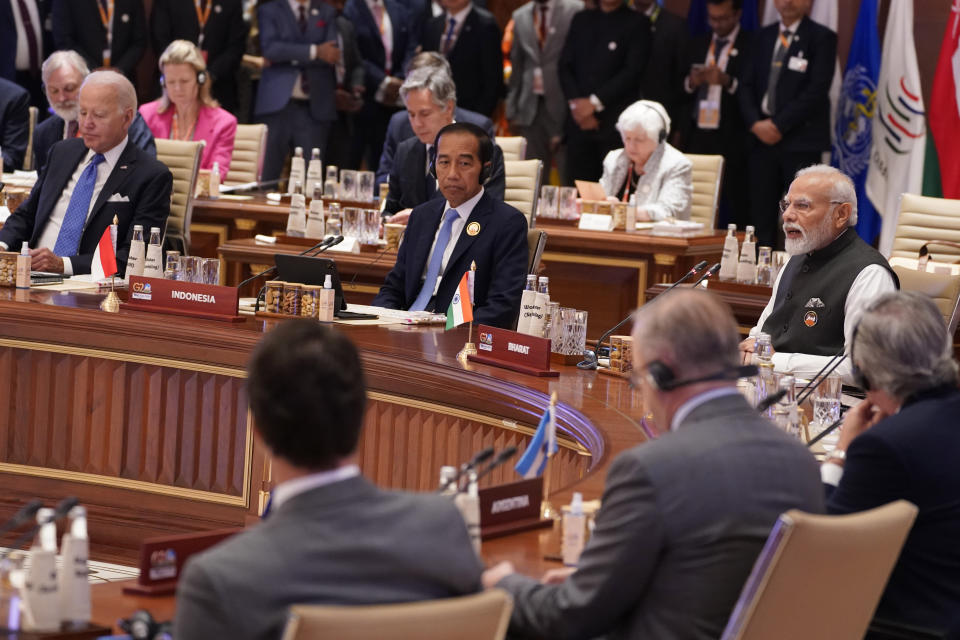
(543, 285)
(765, 267)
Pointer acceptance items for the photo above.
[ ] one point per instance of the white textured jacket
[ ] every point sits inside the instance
(664, 189)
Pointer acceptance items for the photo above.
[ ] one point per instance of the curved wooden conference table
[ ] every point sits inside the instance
(144, 418)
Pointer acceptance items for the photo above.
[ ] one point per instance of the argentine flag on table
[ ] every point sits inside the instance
(461, 306)
(542, 446)
(854, 115)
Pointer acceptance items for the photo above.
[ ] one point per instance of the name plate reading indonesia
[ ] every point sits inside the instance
(512, 350)
(509, 508)
(184, 298)
(596, 222)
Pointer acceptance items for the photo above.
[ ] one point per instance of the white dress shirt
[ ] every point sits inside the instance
(792, 29)
(48, 238)
(872, 282)
(463, 212)
(22, 62)
(287, 490)
(458, 18)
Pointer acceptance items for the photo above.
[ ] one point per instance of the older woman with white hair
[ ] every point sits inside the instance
(187, 111)
(647, 169)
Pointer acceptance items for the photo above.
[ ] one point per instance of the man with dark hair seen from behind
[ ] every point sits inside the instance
(901, 443)
(445, 235)
(684, 516)
(329, 536)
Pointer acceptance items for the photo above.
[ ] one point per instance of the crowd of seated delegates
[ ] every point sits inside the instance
(331, 71)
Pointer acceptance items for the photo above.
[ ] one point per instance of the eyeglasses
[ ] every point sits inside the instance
(802, 207)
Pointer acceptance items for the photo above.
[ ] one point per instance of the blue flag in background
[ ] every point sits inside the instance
(697, 17)
(855, 108)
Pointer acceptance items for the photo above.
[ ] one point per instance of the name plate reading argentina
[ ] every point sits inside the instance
(183, 298)
(596, 222)
(508, 508)
(512, 350)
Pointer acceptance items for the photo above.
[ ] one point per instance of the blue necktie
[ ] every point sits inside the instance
(436, 260)
(68, 242)
(448, 41)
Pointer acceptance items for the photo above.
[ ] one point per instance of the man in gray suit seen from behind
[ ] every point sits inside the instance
(536, 107)
(684, 516)
(329, 536)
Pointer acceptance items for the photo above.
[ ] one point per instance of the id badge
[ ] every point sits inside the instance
(205, 55)
(538, 81)
(106, 57)
(797, 64)
(708, 114)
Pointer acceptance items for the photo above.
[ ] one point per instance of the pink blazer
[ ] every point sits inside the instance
(216, 126)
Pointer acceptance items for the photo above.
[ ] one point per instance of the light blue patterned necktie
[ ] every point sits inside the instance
(68, 242)
(436, 261)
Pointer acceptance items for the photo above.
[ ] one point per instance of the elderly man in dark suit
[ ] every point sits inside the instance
(63, 74)
(686, 513)
(430, 98)
(14, 124)
(470, 39)
(216, 27)
(330, 536)
(89, 181)
(107, 34)
(296, 95)
(467, 225)
(784, 98)
(901, 443)
(400, 128)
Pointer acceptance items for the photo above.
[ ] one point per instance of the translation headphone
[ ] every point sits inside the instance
(201, 79)
(663, 378)
(483, 141)
(662, 136)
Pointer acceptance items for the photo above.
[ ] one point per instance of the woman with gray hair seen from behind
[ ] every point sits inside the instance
(648, 170)
(902, 443)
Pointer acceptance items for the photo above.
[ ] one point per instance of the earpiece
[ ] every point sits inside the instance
(663, 378)
(485, 143)
(662, 136)
(201, 79)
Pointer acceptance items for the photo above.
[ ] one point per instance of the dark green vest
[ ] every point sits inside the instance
(809, 310)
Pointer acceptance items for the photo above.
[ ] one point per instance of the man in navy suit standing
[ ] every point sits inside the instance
(445, 236)
(901, 443)
(296, 97)
(89, 181)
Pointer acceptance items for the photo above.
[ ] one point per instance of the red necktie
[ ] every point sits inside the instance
(542, 24)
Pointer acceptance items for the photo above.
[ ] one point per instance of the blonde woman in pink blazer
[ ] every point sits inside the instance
(187, 111)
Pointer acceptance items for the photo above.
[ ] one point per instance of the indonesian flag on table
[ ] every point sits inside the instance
(945, 106)
(461, 309)
(104, 262)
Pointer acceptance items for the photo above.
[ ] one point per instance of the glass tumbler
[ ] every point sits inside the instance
(365, 184)
(568, 203)
(210, 268)
(548, 201)
(351, 222)
(370, 227)
(348, 184)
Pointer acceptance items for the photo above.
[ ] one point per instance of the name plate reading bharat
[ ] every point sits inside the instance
(184, 298)
(513, 507)
(513, 350)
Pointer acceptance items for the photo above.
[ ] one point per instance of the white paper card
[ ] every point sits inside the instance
(596, 222)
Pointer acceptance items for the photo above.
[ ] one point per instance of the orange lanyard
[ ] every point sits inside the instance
(784, 42)
(626, 185)
(175, 130)
(106, 17)
(202, 16)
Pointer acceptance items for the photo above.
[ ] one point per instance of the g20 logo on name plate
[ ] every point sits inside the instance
(486, 341)
(142, 291)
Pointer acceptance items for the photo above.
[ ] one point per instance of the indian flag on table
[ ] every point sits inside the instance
(541, 447)
(104, 262)
(460, 309)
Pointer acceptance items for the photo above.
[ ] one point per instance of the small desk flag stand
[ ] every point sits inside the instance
(547, 510)
(469, 348)
(111, 304)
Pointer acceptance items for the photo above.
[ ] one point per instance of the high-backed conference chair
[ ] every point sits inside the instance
(523, 187)
(821, 576)
(513, 147)
(249, 146)
(942, 288)
(536, 241)
(481, 616)
(183, 159)
(707, 176)
(923, 219)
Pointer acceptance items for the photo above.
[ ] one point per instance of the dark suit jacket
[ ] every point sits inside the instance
(802, 100)
(288, 51)
(136, 176)
(731, 131)
(345, 543)
(50, 131)
(353, 71)
(408, 186)
(476, 59)
(500, 251)
(77, 26)
(682, 520)
(399, 130)
(371, 45)
(224, 39)
(664, 70)
(14, 124)
(913, 456)
(8, 37)
(604, 55)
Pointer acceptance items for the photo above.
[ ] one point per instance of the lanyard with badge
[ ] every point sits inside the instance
(106, 18)
(708, 109)
(202, 16)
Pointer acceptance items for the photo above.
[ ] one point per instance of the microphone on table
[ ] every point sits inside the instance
(592, 358)
(25, 513)
(328, 241)
(481, 456)
(833, 426)
(709, 273)
(334, 241)
(61, 510)
(502, 457)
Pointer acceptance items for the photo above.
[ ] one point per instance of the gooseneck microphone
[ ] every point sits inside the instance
(61, 510)
(593, 358)
(709, 273)
(329, 241)
(481, 456)
(822, 375)
(25, 513)
(501, 457)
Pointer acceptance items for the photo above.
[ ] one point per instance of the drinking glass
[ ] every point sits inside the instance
(568, 203)
(567, 322)
(351, 222)
(826, 404)
(331, 184)
(348, 184)
(579, 337)
(365, 182)
(548, 201)
(334, 226)
(189, 268)
(370, 228)
(550, 315)
(171, 269)
(210, 268)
